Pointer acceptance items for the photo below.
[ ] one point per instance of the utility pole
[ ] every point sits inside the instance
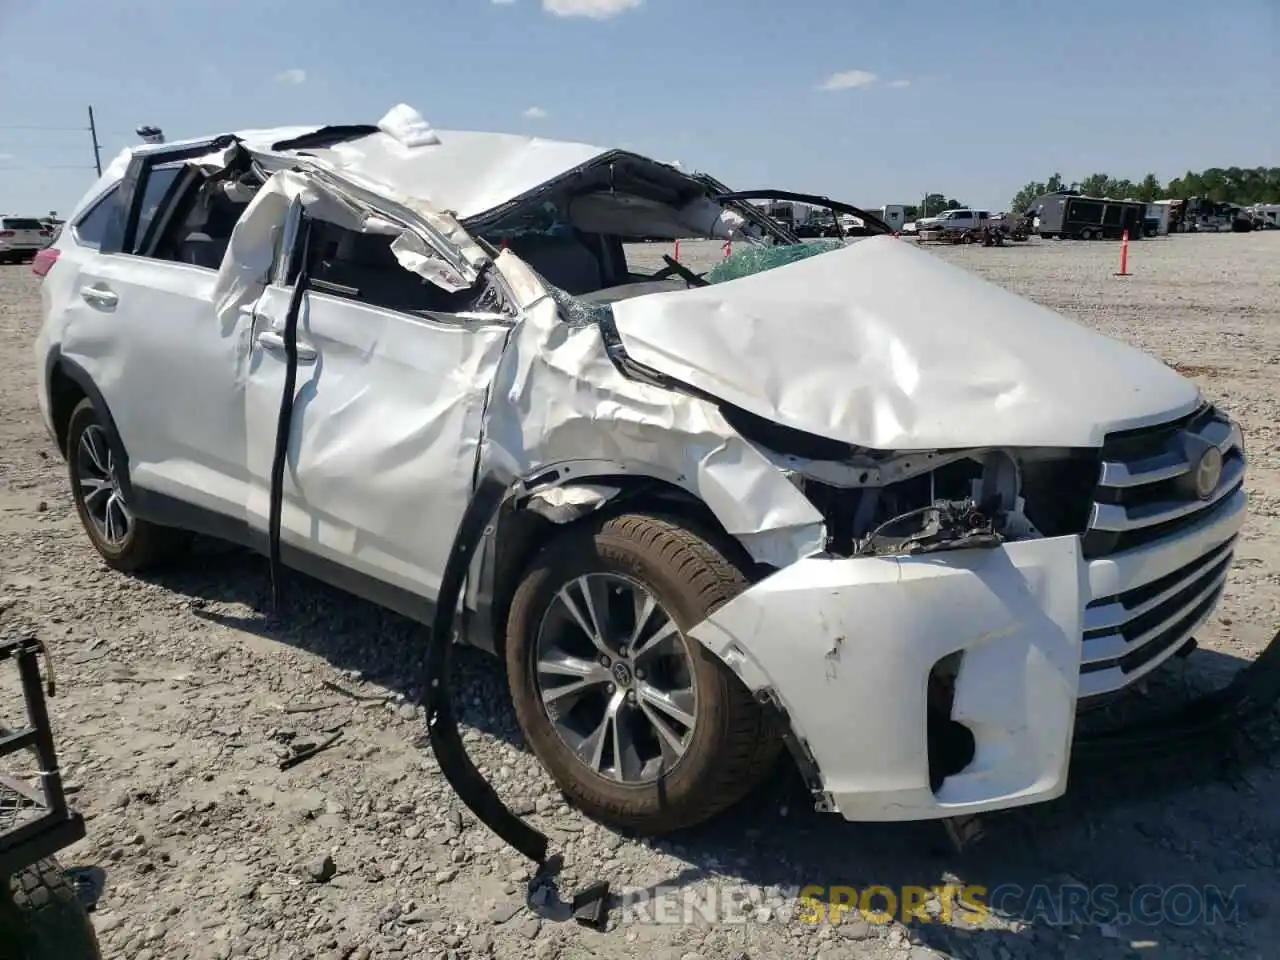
(97, 151)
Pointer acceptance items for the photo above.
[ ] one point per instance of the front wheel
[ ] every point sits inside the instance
(41, 918)
(640, 726)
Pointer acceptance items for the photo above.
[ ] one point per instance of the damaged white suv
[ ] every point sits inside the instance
(845, 497)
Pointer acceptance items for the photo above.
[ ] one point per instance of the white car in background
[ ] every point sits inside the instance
(781, 503)
(21, 238)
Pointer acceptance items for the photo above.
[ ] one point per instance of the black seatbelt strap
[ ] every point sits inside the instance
(588, 905)
(301, 255)
(442, 726)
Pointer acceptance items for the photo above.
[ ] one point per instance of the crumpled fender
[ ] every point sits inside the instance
(558, 399)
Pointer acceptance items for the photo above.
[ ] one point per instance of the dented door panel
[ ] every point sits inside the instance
(385, 432)
(847, 645)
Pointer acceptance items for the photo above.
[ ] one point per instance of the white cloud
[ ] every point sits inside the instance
(294, 75)
(847, 79)
(593, 9)
(503, 3)
(7, 156)
(535, 113)
(899, 83)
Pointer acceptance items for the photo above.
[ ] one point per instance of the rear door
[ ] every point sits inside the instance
(143, 326)
(392, 379)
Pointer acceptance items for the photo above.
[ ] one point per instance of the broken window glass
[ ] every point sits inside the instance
(757, 259)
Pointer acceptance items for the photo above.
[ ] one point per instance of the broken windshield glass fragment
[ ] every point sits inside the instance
(757, 259)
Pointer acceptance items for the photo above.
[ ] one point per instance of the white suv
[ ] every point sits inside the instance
(778, 503)
(21, 238)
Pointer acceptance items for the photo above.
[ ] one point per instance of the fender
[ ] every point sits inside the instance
(56, 363)
(558, 494)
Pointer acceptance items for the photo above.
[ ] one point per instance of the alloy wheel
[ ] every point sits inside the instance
(100, 487)
(615, 677)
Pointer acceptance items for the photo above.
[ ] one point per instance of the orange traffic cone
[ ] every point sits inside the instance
(1124, 255)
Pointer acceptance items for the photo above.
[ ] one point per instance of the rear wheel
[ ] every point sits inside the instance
(640, 726)
(41, 918)
(123, 540)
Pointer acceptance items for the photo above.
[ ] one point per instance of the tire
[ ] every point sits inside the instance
(734, 741)
(41, 919)
(141, 544)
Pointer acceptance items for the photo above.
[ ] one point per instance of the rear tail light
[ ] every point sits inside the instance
(46, 233)
(7, 233)
(44, 261)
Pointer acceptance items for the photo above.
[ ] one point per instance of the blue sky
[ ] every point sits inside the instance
(871, 101)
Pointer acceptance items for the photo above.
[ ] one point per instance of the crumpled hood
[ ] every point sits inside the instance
(888, 347)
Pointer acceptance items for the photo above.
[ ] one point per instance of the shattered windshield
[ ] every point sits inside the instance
(597, 307)
(751, 260)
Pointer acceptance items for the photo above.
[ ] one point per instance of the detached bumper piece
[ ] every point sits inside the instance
(35, 822)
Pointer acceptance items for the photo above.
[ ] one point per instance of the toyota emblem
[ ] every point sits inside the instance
(1208, 472)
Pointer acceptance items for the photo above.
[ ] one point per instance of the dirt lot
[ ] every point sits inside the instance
(178, 694)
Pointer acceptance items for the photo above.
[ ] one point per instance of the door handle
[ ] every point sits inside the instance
(99, 296)
(270, 340)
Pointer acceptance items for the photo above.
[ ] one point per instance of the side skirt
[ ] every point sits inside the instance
(169, 511)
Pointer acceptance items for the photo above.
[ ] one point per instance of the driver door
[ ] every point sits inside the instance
(386, 422)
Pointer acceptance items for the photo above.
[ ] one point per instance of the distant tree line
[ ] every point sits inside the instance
(1244, 186)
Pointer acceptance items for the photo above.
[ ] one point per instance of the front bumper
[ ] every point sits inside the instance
(846, 647)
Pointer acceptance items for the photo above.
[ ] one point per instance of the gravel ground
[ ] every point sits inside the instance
(179, 693)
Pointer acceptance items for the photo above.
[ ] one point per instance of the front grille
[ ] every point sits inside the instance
(1145, 493)
(1133, 628)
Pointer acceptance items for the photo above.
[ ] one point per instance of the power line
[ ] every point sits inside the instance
(10, 146)
(91, 129)
(44, 166)
(26, 126)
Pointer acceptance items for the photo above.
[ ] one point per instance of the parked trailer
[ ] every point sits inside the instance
(1266, 216)
(894, 214)
(1202, 215)
(1158, 217)
(1070, 216)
